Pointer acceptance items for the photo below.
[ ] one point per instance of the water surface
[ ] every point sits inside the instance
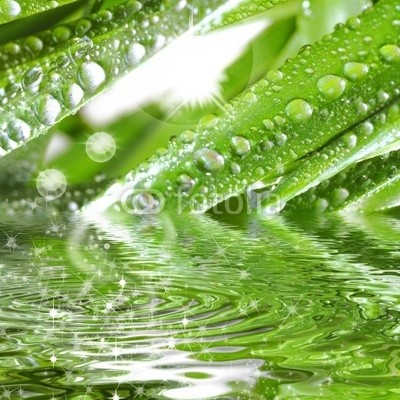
(189, 307)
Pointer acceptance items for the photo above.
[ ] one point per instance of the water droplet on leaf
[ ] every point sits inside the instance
(91, 76)
(355, 71)
(209, 160)
(299, 110)
(240, 145)
(331, 86)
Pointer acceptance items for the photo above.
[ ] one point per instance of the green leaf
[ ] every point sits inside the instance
(251, 8)
(280, 119)
(51, 75)
(139, 134)
(359, 143)
(11, 10)
(371, 185)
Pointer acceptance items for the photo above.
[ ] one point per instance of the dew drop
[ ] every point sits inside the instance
(351, 141)
(280, 121)
(47, 110)
(19, 130)
(390, 53)
(12, 49)
(32, 78)
(250, 98)
(383, 97)
(34, 44)
(135, 54)
(274, 76)
(265, 145)
(104, 16)
(240, 145)
(339, 195)
(10, 8)
(186, 182)
(82, 27)
(235, 168)
(280, 138)
(51, 184)
(84, 44)
(366, 128)
(12, 89)
(331, 86)
(355, 71)
(91, 76)
(187, 136)
(101, 147)
(268, 124)
(354, 23)
(73, 95)
(61, 34)
(61, 62)
(6, 142)
(299, 110)
(321, 205)
(209, 160)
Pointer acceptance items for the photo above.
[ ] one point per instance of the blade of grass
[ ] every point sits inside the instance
(322, 92)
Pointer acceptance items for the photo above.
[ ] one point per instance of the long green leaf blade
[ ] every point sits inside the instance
(325, 90)
(60, 70)
(372, 185)
(370, 136)
(11, 10)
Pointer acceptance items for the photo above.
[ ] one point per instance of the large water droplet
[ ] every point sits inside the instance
(83, 45)
(73, 95)
(51, 184)
(240, 145)
(299, 110)
(6, 143)
(34, 44)
(209, 160)
(321, 205)
(331, 86)
(47, 110)
(235, 168)
(268, 124)
(32, 78)
(274, 76)
(185, 182)
(339, 195)
(390, 52)
(355, 71)
(101, 147)
(82, 27)
(187, 136)
(265, 145)
(19, 130)
(61, 34)
(280, 138)
(91, 76)
(10, 8)
(135, 54)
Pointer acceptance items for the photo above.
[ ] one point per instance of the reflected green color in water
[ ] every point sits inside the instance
(188, 307)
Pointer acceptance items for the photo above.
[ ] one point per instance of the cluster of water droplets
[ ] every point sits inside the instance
(225, 155)
(55, 72)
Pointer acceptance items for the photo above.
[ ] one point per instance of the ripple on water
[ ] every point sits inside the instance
(185, 309)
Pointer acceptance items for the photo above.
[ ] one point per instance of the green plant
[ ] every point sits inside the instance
(311, 122)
